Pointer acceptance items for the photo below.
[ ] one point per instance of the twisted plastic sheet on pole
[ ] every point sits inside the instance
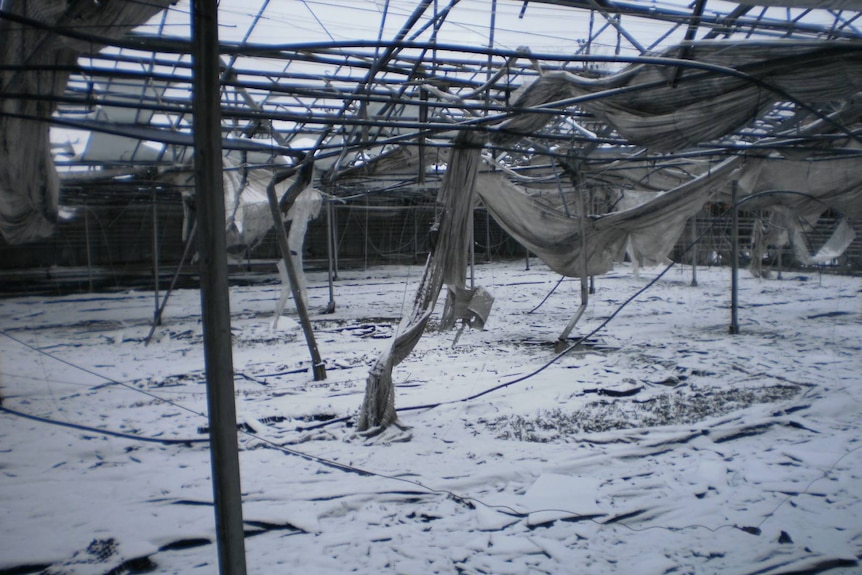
(446, 263)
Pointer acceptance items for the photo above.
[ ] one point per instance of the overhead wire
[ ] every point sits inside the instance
(316, 19)
(97, 374)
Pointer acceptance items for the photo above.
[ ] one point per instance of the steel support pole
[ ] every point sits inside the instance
(487, 235)
(472, 225)
(734, 263)
(156, 314)
(780, 263)
(334, 239)
(330, 248)
(694, 250)
(585, 298)
(423, 119)
(318, 367)
(215, 303)
(87, 239)
(161, 310)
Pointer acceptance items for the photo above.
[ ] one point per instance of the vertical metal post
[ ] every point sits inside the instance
(694, 250)
(528, 259)
(87, 239)
(734, 263)
(487, 234)
(780, 252)
(318, 367)
(592, 208)
(415, 234)
(156, 314)
(215, 303)
(365, 237)
(584, 261)
(472, 225)
(330, 247)
(423, 119)
(582, 228)
(160, 313)
(488, 74)
(334, 243)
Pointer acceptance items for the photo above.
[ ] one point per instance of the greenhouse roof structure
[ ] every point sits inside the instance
(588, 129)
(639, 95)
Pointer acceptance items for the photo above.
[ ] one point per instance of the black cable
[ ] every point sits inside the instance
(103, 431)
(577, 342)
(468, 500)
(365, 473)
(721, 218)
(358, 471)
(753, 530)
(807, 487)
(550, 293)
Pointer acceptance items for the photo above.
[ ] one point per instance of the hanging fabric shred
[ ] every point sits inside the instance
(651, 229)
(39, 61)
(447, 263)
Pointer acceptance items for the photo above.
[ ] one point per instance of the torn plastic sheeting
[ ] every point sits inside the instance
(472, 306)
(834, 247)
(667, 116)
(652, 227)
(29, 184)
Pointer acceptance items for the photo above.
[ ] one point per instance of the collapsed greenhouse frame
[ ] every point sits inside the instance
(611, 154)
(616, 160)
(583, 164)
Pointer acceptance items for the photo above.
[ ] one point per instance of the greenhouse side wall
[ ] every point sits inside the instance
(109, 242)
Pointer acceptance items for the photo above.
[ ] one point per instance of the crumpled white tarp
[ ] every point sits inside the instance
(304, 209)
(650, 229)
(835, 246)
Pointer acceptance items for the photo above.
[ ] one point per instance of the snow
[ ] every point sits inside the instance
(666, 445)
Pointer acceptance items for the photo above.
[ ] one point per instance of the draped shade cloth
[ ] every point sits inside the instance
(797, 189)
(29, 185)
(805, 187)
(654, 106)
(855, 5)
(651, 228)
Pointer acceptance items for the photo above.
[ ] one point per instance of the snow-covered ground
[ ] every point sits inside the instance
(666, 445)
